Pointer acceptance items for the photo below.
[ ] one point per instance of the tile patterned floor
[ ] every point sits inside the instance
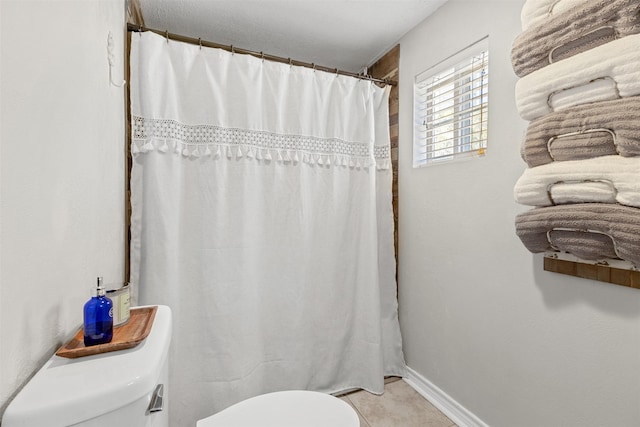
(399, 406)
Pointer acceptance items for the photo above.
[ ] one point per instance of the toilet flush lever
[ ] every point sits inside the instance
(156, 400)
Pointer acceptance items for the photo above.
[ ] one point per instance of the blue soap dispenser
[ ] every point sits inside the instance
(98, 318)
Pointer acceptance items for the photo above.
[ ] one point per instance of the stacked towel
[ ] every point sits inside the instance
(582, 27)
(579, 63)
(606, 72)
(535, 11)
(599, 129)
(608, 179)
(591, 231)
(587, 245)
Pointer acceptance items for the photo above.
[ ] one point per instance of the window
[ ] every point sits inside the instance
(451, 105)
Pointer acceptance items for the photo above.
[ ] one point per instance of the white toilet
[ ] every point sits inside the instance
(286, 409)
(129, 388)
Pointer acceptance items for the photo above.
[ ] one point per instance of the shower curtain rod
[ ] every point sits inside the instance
(231, 48)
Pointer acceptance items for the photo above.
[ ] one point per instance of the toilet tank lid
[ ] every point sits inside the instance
(68, 391)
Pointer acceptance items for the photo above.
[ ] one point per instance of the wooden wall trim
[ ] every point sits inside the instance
(134, 13)
(134, 16)
(388, 67)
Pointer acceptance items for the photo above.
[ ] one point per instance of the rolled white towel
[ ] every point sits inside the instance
(608, 179)
(606, 72)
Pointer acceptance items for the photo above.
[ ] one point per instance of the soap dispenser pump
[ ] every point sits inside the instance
(98, 318)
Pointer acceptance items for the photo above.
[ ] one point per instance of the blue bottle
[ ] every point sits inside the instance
(98, 318)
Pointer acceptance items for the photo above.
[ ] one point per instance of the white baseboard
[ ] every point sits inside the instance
(441, 400)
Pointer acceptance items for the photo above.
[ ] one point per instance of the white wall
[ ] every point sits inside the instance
(62, 179)
(513, 344)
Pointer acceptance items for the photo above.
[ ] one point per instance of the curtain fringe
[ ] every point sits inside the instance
(259, 154)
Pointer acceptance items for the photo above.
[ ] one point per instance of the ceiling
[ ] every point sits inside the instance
(344, 34)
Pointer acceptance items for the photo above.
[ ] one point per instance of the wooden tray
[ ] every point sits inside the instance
(128, 335)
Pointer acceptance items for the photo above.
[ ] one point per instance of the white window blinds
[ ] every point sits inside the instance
(451, 105)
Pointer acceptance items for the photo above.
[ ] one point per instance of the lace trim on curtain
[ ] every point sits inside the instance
(215, 141)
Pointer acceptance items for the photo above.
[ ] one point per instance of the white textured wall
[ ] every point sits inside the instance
(62, 179)
(515, 345)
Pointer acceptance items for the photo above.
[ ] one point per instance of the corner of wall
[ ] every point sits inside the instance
(62, 174)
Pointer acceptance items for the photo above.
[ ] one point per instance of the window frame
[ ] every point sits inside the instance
(459, 131)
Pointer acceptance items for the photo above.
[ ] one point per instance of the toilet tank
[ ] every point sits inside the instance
(104, 390)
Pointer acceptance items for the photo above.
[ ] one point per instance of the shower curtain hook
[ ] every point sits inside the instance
(290, 63)
(314, 67)
(200, 42)
(166, 34)
(233, 50)
(262, 56)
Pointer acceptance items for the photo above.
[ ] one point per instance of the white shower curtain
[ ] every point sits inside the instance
(261, 214)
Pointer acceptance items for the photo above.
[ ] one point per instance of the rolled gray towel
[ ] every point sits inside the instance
(580, 28)
(591, 231)
(584, 132)
(585, 245)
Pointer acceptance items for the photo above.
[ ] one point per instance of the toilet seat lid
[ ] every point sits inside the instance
(293, 408)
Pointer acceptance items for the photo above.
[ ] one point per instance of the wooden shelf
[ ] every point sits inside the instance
(602, 273)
